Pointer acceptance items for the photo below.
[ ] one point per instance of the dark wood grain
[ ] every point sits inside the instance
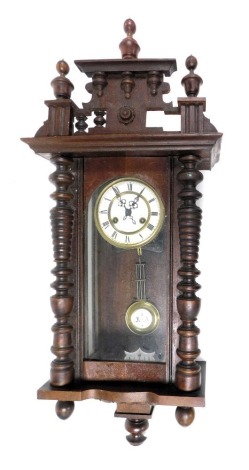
(62, 368)
(207, 146)
(188, 374)
(129, 371)
(108, 138)
(127, 392)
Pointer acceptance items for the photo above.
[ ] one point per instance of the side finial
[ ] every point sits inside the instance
(129, 46)
(61, 85)
(192, 81)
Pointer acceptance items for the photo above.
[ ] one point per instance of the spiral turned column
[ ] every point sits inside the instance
(188, 371)
(62, 368)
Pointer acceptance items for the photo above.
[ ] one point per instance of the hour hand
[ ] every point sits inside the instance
(122, 202)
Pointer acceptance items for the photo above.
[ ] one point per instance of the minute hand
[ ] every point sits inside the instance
(138, 196)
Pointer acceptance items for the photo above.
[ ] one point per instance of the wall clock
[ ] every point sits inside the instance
(125, 230)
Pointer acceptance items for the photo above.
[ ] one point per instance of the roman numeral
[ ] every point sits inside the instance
(127, 239)
(103, 212)
(129, 185)
(116, 191)
(150, 226)
(106, 224)
(154, 213)
(114, 235)
(151, 200)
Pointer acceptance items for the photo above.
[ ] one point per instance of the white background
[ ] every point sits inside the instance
(34, 36)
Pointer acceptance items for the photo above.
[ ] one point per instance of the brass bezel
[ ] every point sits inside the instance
(128, 246)
(148, 306)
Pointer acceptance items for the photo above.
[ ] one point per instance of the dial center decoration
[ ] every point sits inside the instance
(129, 213)
(129, 207)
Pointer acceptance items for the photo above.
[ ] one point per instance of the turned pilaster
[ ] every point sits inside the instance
(188, 373)
(62, 368)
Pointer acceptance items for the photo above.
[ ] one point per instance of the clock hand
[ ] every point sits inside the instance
(137, 198)
(132, 204)
(122, 203)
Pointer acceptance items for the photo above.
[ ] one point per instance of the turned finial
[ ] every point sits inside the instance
(129, 46)
(61, 85)
(185, 415)
(192, 81)
(136, 428)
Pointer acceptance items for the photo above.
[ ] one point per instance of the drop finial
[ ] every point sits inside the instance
(129, 46)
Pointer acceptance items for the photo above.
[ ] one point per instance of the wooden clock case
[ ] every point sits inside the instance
(120, 145)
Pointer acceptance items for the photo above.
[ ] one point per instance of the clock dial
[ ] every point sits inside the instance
(142, 317)
(129, 213)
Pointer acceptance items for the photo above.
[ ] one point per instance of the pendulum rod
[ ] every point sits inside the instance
(140, 277)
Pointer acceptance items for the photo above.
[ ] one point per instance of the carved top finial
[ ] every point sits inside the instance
(129, 46)
(192, 81)
(61, 85)
(62, 67)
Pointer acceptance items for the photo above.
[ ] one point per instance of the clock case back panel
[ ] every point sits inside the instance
(109, 285)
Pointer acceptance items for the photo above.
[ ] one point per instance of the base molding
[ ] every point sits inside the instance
(127, 392)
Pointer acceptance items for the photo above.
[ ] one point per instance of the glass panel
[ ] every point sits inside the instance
(125, 317)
